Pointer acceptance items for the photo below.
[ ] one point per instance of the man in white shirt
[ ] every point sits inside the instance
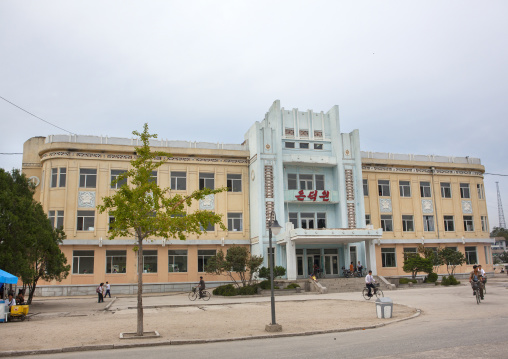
(369, 281)
(108, 290)
(12, 301)
(482, 272)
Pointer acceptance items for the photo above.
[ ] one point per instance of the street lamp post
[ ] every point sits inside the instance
(275, 228)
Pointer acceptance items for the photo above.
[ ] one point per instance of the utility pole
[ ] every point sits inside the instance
(502, 222)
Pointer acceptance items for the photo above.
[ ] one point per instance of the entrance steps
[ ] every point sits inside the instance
(341, 285)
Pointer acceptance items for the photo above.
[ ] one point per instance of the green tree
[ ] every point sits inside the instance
(142, 209)
(278, 271)
(415, 263)
(452, 258)
(237, 260)
(29, 246)
(431, 254)
(499, 232)
(501, 258)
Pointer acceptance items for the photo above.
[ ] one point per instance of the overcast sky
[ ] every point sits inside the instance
(427, 77)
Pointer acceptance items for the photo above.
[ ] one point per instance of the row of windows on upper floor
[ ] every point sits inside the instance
(303, 145)
(389, 255)
(85, 221)
(425, 189)
(428, 223)
(88, 179)
(83, 261)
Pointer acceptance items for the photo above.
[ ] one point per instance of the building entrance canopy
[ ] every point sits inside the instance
(331, 236)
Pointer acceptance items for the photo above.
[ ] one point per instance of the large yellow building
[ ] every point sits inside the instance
(433, 201)
(73, 174)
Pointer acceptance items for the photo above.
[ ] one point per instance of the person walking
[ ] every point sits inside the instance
(108, 290)
(100, 293)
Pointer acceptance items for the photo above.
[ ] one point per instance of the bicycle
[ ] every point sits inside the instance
(377, 292)
(194, 294)
(476, 289)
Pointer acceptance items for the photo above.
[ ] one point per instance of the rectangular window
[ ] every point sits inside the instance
(425, 189)
(383, 188)
(448, 224)
(446, 190)
(428, 223)
(481, 192)
(320, 182)
(86, 220)
(304, 145)
(116, 261)
(111, 221)
(365, 187)
(318, 146)
(179, 181)
(487, 257)
(306, 182)
(234, 182)
(464, 190)
(177, 260)
(321, 220)
(307, 220)
(56, 218)
(87, 178)
(150, 261)
(484, 224)
(203, 256)
(471, 256)
(468, 224)
(58, 177)
(407, 223)
(235, 222)
(293, 218)
(206, 180)
(405, 188)
(153, 177)
(292, 181)
(367, 219)
(82, 262)
(409, 252)
(387, 222)
(209, 228)
(114, 176)
(289, 144)
(388, 257)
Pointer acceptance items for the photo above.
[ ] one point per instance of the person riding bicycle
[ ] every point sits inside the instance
(369, 282)
(201, 287)
(482, 273)
(475, 278)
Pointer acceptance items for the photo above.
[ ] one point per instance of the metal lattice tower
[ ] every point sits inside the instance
(502, 222)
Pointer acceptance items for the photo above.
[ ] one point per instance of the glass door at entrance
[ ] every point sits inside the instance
(313, 258)
(331, 262)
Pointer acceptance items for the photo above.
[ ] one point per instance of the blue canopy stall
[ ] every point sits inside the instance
(7, 278)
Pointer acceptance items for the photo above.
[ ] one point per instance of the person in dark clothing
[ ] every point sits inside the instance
(201, 287)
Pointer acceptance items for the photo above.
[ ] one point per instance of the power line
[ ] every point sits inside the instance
(22, 109)
(11, 153)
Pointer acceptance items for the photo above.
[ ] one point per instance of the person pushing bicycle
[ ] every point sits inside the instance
(369, 282)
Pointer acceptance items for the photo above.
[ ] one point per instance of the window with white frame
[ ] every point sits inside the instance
(306, 181)
(82, 262)
(292, 181)
(383, 188)
(111, 220)
(307, 220)
(428, 223)
(449, 225)
(471, 256)
(480, 190)
(321, 220)
(87, 177)
(387, 222)
(150, 261)
(153, 177)
(407, 223)
(177, 260)
(58, 177)
(405, 188)
(56, 218)
(365, 187)
(293, 218)
(425, 189)
(318, 146)
(114, 176)
(388, 257)
(234, 182)
(464, 190)
(85, 221)
(206, 180)
(468, 224)
(209, 227)
(320, 182)
(235, 222)
(446, 190)
(304, 145)
(484, 224)
(178, 180)
(409, 251)
(116, 261)
(203, 256)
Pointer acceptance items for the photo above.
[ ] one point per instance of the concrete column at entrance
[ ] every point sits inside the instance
(347, 256)
(291, 270)
(370, 254)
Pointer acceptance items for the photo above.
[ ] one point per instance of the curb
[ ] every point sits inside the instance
(196, 341)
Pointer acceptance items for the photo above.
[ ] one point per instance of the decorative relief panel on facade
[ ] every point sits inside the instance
(467, 207)
(27, 164)
(120, 157)
(427, 206)
(207, 203)
(88, 155)
(86, 199)
(350, 193)
(269, 206)
(289, 132)
(318, 134)
(304, 133)
(385, 205)
(420, 170)
(268, 182)
(351, 217)
(54, 154)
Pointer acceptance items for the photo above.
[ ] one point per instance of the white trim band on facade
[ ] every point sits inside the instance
(131, 242)
(436, 241)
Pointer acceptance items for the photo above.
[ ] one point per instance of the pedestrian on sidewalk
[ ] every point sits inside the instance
(100, 293)
(108, 290)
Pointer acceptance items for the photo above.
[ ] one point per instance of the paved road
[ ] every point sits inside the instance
(452, 326)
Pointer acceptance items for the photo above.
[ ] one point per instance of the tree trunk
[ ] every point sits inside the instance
(31, 290)
(140, 285)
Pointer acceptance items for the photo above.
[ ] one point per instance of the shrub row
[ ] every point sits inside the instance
(451, 280)
(229, 290)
